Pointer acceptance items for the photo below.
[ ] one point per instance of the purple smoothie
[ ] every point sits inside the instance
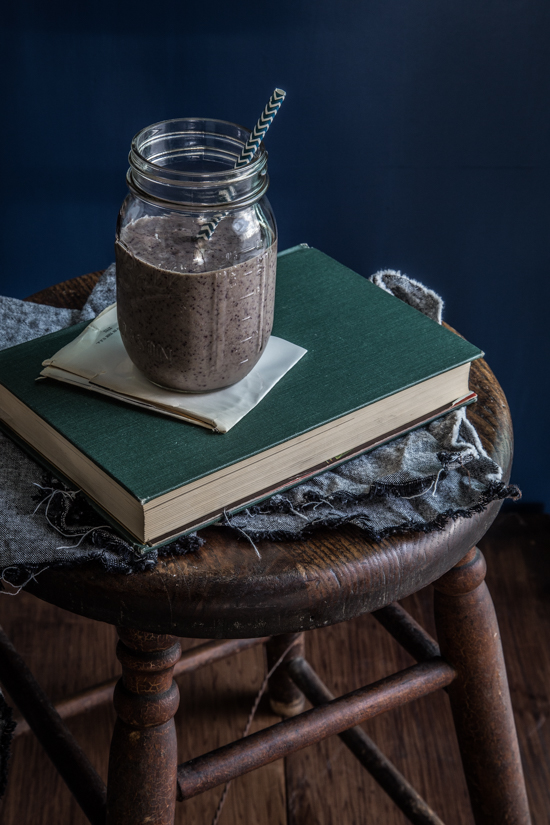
(191, 320)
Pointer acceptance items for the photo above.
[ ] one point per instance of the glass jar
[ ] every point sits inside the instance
(195, 315)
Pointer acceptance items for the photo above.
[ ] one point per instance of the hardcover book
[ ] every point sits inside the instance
(374, 369)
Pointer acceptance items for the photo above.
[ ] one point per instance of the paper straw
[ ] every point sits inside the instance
(266, 119)
(249, 150)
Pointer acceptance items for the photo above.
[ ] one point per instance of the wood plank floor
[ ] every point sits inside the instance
(322, 784)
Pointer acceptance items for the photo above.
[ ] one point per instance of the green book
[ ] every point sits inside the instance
(374, 369)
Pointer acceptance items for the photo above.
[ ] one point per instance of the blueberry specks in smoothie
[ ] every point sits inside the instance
(214, 320)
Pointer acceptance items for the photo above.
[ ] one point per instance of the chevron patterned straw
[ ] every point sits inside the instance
(249, 150)
(259, 130)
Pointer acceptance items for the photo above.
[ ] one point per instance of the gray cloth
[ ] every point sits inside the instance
(412, 292)
(103, 295)
(22, 321)
(416, 482)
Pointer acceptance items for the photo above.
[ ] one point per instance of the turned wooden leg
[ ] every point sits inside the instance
(284, 697)
(469, 638)
(141, 786)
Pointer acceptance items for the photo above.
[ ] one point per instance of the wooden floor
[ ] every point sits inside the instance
(322, 784)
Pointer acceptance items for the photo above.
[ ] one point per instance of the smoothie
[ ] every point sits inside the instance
(190, 318)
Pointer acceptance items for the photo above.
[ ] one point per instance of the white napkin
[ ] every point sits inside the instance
(96, 360)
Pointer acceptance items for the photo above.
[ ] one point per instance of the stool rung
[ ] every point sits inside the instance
(70, 761)
(407, 632)
(197, 657)
(244, 755)
(369, 755)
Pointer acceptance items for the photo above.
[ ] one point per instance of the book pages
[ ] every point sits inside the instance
(96, 360)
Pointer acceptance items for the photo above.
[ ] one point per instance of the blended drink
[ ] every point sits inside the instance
(190, 319)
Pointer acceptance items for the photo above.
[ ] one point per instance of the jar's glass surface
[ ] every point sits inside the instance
(195, 315)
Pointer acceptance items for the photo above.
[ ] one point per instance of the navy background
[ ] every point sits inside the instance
(415, 136)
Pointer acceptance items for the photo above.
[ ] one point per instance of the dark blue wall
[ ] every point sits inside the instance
(415, 136)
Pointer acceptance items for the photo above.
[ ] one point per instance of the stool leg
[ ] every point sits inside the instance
(141, 787)
(284, 697)
(480, 699)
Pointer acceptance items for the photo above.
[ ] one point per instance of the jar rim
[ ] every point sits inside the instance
(155, 131)
(164, 156)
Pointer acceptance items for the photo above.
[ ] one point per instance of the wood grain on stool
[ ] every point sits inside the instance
(284, 697)
(469, 638)
(324, 784)
(141, 787)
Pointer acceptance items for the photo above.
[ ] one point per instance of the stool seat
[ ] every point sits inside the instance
(223, 590)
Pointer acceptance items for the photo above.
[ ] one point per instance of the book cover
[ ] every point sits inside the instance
(362, 345)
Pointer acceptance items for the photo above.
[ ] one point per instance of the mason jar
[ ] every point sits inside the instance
(195, 314)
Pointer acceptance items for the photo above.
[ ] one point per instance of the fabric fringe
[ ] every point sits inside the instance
(495, 492)
(72, 516)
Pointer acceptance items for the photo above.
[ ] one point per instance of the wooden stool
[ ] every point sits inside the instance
(223, 591)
